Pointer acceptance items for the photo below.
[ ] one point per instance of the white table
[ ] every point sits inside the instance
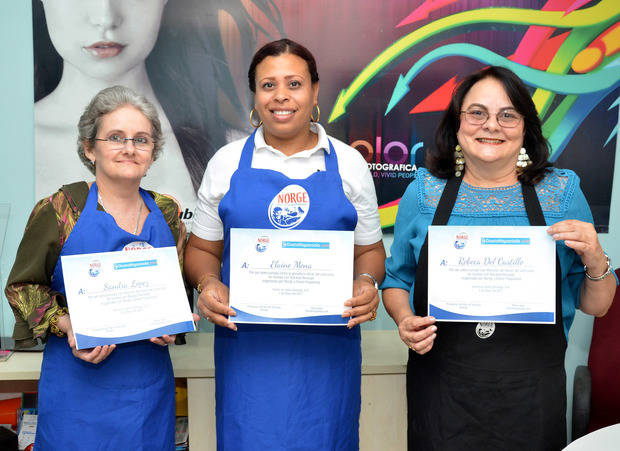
(605, 439)
(383, 420)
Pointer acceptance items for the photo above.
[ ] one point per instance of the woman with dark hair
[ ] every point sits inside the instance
(491, 386)
(282, 386)
(173, 53)
(112, 396)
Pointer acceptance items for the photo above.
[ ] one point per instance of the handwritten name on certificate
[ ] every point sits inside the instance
(290, 276)
(500, 273)
(117, 297)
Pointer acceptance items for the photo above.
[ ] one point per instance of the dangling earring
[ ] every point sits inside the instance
(459, 161)
(318, 114)
(251, 122)
(523, 160)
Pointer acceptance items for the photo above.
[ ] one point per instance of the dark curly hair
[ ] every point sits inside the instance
(440, 161)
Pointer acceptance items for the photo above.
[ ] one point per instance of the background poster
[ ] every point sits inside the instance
(387, 69)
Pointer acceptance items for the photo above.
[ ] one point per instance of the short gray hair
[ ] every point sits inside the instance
(106, 101)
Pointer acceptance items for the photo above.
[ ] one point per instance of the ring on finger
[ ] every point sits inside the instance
(373, 315)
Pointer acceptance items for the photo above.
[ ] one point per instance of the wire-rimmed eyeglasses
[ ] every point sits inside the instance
(116, 141)
(505, 118)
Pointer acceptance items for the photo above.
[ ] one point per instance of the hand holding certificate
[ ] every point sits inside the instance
(117, 297)
(499, 274)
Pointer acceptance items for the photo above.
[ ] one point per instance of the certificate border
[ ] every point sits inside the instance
(322, 320)
(333, 319)
(519, 318)
(539, 317)
(88, 341)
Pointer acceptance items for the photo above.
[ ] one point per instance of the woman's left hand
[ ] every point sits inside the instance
(364, 302)
(583, 239)
(166, 340)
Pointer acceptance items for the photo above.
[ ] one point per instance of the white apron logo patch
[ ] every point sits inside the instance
(485, 330)
(289, 207)
(137, 246)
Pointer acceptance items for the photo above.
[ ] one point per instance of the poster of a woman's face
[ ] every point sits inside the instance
(176, 53)
(387, 71)
(103, 40)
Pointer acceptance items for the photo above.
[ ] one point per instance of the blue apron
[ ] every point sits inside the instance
(126, 401)
(286, 387)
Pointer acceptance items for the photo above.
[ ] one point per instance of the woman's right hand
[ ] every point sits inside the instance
(418, 332)
(213, 303)
(92, 355)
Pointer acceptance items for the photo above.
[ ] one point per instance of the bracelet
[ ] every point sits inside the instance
(199, 287)
(370, 276)
(602, 276)
(61, 311)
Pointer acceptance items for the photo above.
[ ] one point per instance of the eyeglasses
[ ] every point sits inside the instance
(505, 118)
(116, 141)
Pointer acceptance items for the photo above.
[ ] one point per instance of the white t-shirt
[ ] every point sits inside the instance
(356, 181)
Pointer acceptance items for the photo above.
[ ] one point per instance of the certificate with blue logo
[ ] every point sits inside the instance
(290, 276)
(130, 295)
(498, 274)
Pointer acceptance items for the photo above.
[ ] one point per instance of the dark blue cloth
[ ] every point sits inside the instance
(127, 400)
(286, 387)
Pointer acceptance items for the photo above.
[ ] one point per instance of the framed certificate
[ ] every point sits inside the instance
(498, 274)
(117, 297)
(290, 276)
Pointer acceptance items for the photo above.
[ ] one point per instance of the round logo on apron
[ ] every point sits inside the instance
(289, 207)
(485, 330)
(137, 246)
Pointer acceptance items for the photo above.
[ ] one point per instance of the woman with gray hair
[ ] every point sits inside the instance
(112, 396)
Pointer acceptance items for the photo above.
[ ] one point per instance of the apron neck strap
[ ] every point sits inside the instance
(331, 161)
(532, 206)
(245, 162)
(447, 200)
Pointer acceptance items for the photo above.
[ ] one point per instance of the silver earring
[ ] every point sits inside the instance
(523, 160)
(459, 161)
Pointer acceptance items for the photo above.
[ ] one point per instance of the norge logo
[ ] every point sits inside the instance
(137, 246)
(289, 207)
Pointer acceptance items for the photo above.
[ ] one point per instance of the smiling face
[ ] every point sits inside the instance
(489, 143)
(285, 96)
(116, 162)
(103, 39)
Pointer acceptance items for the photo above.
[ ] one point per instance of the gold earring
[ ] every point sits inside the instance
(318, 114)
(459, 161)
(251, 122)
(523, 160)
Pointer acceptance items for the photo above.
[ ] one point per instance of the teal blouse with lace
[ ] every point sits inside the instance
(560, 198)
